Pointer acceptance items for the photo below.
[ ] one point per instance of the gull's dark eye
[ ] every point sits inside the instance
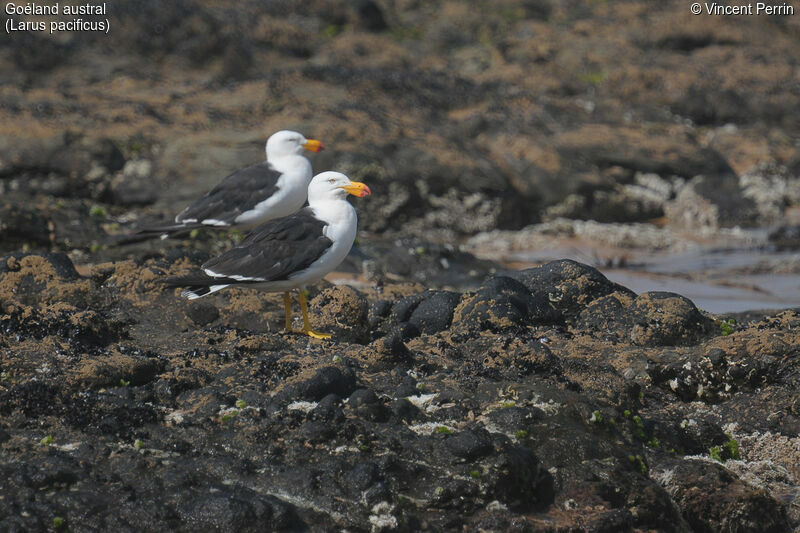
(332, 180)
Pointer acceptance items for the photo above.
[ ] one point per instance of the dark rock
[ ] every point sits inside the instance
(568, 285)
(370, 15)
(405, 331)
(362, 476)
(435, 312)
(327, 380)
(712, 498)
(22, 225)
(362, 397)
(514, 419)
(403, 410)
(374, 412)
(663, 318)
(785, 237)
(407, 388)
(608, 315)
(329, 409)
(524, 483)
(391, 348)
(470, 444)
(168, 31)
(61, 263)
(342, 312)
(709, 202)
(403, 308)
(316, 431)
(132, 186)
(706, 105)
(503, 303)
(32, 52)
(378, 311)
(222, 508)
(202, 313)
(53, 470)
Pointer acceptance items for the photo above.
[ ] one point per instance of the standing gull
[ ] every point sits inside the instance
(250, 196)
(290, 252)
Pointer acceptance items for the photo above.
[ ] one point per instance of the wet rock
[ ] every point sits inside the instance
(405, 331)
(470, 444)
(170, 33)
(202, 313)
(403, 410)
(705, 105)
(377, 312)
(407, 388)
(241, 509)
(342, 312)
(402, 309)
(707, 203)
(60, 263)
(325, 381)
(711, 497)
(84, 331)
(523, 482)
(650, 319)
(370, 15)
(132, 186)
(329, 409)
(315, 431)
(515, 419)
(362, 397)
(31, 52)
(503, 303)
(427, 312)
(33, 398)
(391, 348)
(569, 286)
(435, 311)
(21, 225)
(786, 237)
(115, 369)
(362, 476)
(663, 318)
(65, 166)
(43, 279)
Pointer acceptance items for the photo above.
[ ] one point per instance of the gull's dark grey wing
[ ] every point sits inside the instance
(274, 250)
(236, 194)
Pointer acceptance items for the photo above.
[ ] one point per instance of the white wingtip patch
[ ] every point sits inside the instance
(214, 222)
(237, 277)
(190, 295)
(245, 278)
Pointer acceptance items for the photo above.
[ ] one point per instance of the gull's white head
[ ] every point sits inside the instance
(334, 185)
(287, 142)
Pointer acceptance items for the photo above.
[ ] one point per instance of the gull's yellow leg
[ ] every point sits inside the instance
(287, 304)
(306, 325)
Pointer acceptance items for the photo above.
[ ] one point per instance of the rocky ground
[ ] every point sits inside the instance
(463, 390)
(553, 400)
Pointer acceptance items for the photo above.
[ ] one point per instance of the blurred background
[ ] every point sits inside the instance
(660, 146)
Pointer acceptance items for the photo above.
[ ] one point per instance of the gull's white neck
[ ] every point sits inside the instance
(291, 164)
(334, 211)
